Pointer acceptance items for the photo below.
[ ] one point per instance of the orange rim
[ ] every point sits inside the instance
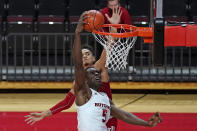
(119, 35)
(145, 32)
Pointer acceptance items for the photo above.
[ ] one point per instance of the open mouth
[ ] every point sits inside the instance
(98, 79)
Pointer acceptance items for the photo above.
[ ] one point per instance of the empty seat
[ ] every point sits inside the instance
(21, 7)
(174, 8)
(50, 24)
(20, 24)
(20, 16)
(1, 6)
(195, 19)
(176, 19)
(140, 20)
(0, 23)
(139, 7)
(78, 7)
(51, 16)
(193, 8)
(51, 7)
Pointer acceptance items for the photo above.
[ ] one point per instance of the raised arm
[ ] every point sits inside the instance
(81, 90)
(134, 120)
(77, 57)
(100, 64)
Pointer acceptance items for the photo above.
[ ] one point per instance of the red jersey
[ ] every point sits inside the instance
(106, 89)
(112, 122)
(125, 17)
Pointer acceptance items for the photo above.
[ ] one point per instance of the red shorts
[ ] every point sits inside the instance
(112, 124)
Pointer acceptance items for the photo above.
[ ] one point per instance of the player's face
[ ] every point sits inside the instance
(87, 58)
(113, 4)
(93, 78)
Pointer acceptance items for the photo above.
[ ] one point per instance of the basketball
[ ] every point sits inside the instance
(94, 22)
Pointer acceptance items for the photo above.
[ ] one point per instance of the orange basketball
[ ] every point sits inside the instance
(94, 22)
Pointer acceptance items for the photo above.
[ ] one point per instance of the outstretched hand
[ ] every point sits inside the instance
(33, 118)
(154, 120)
(116, 15)
(81, 22)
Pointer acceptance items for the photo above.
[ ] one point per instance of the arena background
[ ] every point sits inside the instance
(36, 69)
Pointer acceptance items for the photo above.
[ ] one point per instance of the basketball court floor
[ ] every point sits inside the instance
(179, 111)
(168, 103)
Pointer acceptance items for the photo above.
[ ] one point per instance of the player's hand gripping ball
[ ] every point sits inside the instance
(94, 20)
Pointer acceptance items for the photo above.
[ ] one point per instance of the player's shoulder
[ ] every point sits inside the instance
(103, 94)
(104, 10)
(123, 9)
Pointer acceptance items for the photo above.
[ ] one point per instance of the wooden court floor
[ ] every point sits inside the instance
(129, 102)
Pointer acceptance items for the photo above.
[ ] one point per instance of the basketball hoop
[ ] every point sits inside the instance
(117, 45)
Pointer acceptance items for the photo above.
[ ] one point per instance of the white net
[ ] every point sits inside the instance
(117, 49)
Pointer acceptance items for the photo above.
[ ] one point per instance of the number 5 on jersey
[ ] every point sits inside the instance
(104, 115)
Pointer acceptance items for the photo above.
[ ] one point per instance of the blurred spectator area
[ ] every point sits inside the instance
(62, 15)
(37, 36)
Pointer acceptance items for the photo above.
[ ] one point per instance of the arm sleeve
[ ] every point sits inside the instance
(64, 104)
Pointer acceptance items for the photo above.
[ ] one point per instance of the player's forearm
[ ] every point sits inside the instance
(100, 64)
(77, 60)
(103, 58)
(66, 103)
(76, 52)
(126, 116)
(134, 120)
(46, 113)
